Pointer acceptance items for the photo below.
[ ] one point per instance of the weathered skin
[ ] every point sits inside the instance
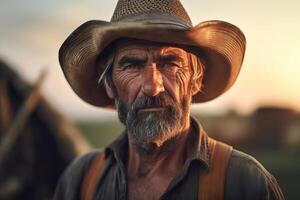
(145, 68)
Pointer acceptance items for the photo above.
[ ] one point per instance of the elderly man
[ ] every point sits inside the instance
(150, 64)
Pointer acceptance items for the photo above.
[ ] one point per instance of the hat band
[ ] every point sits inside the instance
(157, 18)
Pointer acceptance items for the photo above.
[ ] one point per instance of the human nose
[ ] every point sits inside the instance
(152, 81)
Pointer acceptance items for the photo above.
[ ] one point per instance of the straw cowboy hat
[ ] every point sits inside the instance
(220, 44)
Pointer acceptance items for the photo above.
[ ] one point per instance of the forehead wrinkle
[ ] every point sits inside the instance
(137, 50)
(131, 53)
(171, 49)
(151, 51)
(174, 51)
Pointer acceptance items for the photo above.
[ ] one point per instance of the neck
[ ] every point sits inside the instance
(163, 157)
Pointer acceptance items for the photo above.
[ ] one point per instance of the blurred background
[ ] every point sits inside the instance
(44, 125)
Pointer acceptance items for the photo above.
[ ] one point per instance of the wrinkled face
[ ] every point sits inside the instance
(153, 89)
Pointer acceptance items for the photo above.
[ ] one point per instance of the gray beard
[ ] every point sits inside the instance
(144, 128)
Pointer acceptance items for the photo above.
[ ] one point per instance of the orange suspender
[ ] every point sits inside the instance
(212, 181)
(90, 178)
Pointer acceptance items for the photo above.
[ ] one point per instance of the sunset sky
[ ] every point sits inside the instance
(32, 31)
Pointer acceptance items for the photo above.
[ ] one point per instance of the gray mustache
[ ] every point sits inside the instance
(163, 100)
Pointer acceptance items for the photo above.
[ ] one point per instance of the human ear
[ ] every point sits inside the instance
(196, 86)
(197, 66)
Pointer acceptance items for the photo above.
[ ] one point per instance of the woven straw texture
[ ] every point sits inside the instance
(126, 8)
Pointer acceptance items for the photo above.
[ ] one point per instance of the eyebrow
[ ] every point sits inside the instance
(170, 57)
(131, 59)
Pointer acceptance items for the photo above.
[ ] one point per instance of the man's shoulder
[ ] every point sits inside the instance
(245, 162)
(70, 182)
(80, 164)
(247, 179)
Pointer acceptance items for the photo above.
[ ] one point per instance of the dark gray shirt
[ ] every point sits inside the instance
(246, 178)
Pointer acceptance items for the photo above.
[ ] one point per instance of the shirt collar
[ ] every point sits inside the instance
(197, 146)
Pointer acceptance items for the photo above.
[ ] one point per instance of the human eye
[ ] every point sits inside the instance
(130, 66)
(171, 61)
(171, 65)
(130, 62)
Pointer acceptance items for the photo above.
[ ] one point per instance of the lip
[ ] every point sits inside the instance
(152, 109)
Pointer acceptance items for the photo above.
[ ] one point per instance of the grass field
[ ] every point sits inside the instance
(284, 165)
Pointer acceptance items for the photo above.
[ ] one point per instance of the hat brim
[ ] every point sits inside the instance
(220, 44)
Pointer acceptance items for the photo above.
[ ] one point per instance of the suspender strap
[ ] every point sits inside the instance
(212, 181)
(211, 185)
(90, 179)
